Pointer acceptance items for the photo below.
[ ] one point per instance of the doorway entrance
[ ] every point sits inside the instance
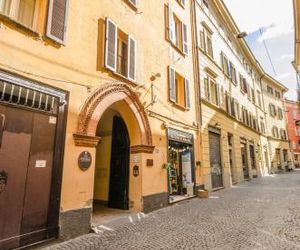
(111, 188)
(215, 160)
(252, 157)
(31, 141)
(244, 153)
(180, 165)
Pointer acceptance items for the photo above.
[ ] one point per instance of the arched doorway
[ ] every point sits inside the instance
(114, 122)
(111, 182)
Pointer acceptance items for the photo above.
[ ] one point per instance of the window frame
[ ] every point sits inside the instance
(13, 14)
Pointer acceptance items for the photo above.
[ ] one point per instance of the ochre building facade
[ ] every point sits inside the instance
(121, 104)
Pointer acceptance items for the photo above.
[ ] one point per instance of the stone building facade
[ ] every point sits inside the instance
(236, 125)
(293, 117)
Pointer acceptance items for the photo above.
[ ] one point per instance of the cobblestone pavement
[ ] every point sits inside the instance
(261, 214)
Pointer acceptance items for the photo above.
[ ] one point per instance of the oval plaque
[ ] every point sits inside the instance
(136, 171)
(84, 160)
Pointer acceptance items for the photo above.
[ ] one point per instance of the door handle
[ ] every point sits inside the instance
(2, 122)
(3, 181)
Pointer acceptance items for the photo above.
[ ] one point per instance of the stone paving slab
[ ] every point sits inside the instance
(261, 214)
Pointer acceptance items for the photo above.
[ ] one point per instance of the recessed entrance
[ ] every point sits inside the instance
(111, 188)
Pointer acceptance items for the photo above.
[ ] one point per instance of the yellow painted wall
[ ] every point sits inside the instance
(211, 117)
(81, 61)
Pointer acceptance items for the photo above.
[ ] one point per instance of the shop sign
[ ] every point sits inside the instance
(177, 135)
(84, 160)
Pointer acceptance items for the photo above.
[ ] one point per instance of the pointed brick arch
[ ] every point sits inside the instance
(98, 103)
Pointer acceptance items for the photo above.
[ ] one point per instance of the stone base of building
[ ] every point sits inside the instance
(155, 201)
(74, 223)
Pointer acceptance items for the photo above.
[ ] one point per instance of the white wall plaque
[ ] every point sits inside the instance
(52, 120)
(40, 164)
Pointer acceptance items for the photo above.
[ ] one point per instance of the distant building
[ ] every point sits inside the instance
(296, 62)
(293, 117)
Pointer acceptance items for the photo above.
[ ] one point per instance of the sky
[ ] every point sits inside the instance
(272, 22)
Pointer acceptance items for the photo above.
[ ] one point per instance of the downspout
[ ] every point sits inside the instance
(197, 82)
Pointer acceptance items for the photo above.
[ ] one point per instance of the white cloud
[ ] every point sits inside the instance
(275, 19)
(287, 56)
(283, 76)
(275, 30)
(251, 15)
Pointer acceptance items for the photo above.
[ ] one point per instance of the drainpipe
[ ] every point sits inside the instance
(196, 69)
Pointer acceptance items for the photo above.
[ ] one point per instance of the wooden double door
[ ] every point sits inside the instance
(119, 166)
(26, 160)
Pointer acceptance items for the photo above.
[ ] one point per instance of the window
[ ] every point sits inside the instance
(272, 110)
(206, 41)
(270, 90)
(277, 94)
(283, 135)
(120, 51)
(262, 125)
(205, 2)
(277, 156)
(23, 11)
(27, 13)
(275, 133)
(179, 89)
(178, 32)
(236, 109)
(212, 91)
(243, 84)
(253, 95)
(259, 98)
(225, 64)
(280, 114)
(285, 155)
(232, 73)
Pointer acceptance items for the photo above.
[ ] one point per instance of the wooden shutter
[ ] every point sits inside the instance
(185, 39)
(131, 58)
(171, 27)
(206, 89)
(111, 38)
(202, 40)
(172, 85)
(187, 93)
(218, 94)
(57, 20)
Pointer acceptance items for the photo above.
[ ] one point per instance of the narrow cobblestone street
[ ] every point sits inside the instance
(261, 214)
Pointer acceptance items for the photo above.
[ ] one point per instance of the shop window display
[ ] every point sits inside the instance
(180, 170)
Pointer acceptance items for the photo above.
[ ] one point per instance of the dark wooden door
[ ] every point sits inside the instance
(119, 166)
(215, 160)
(252, 156)
(245, 160)
(26, 153)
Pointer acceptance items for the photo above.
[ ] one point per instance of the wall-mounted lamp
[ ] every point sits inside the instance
(242, 35)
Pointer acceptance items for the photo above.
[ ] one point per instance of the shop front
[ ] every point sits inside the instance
(181, 170)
